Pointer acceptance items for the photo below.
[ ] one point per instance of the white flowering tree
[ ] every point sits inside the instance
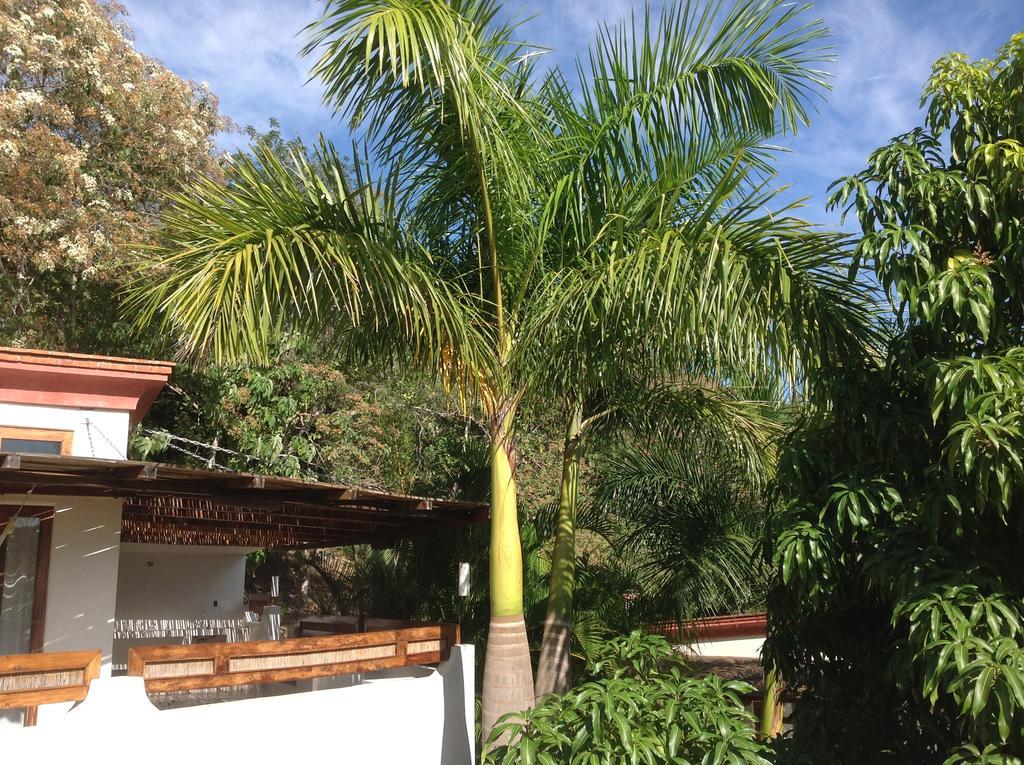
(92, 134)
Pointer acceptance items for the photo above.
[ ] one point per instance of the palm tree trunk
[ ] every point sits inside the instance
(772, 712)
(508, 672)
(554, 674)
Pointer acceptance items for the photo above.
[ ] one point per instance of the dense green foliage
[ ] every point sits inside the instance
(686, 523)
(899, 607)
(638, 705)
(309, 420)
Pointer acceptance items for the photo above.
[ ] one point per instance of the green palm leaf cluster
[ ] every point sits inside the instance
(287, 245)
(691, 525)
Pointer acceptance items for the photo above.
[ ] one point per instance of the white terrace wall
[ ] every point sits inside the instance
(179, 582)
(743, 647)
(415, 720)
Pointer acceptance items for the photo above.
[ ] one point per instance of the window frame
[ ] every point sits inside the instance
(63, 437)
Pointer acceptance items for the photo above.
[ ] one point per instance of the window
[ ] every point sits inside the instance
(34, 440)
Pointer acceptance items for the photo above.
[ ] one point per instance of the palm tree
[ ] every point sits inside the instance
(447, 259)
(643, 444)
(652, 432)
(691, 518)
(419, 266)
(662, 231)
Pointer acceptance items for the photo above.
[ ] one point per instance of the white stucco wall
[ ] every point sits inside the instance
(82, 587)
(749, 648)
(426, 720)
(82, 584)
(96, 433)
(178, 582)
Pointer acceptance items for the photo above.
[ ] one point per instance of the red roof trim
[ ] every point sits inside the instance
(715, 628)
(78, 380)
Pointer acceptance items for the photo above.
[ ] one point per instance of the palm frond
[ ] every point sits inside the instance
(736, 291)
(294, 244)
(446, 96)
(691, 524)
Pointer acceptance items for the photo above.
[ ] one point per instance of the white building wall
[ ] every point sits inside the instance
(82, 582)
(747, 648)
(97, 433)
(178, 582)
(424, 720)
(82, 586)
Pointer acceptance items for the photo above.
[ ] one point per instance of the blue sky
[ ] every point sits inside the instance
(247, 50)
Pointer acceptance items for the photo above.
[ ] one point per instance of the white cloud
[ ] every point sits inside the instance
(247, 51)
(567, 27)
(885, 51)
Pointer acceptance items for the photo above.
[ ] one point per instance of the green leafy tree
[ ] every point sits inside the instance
(92, 134)
(306, 419)
(899, 606)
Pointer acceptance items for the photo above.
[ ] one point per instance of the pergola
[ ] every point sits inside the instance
(171, 504)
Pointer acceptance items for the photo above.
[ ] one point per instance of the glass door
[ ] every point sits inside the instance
(24, 567)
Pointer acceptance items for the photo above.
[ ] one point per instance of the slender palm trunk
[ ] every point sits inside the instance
(508, 672)
(771, 714)
(554, 673)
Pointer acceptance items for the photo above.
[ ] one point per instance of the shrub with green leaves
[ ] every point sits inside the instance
(638, 706)
(899, 605)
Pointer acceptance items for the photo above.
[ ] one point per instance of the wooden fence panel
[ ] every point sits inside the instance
(30, 679)
(218, 665)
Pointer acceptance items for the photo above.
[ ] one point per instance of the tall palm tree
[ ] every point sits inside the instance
(447, 259)
(418, 266)
(661, 228)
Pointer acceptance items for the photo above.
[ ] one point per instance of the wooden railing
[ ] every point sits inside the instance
(31, 679)
(314, 626)
(218, 665)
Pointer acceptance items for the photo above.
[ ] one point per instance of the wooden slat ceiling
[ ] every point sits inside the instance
(170, 504)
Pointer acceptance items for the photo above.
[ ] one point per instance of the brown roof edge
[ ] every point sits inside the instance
(182, 505)
(98, 476)
(714, 628)
(83, 361)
